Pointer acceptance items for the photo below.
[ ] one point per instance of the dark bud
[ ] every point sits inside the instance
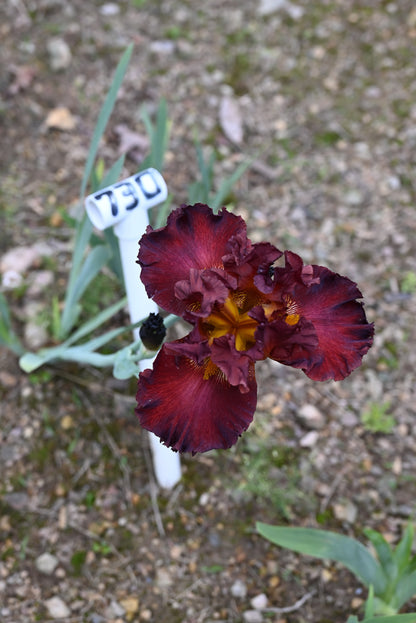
(153, 331)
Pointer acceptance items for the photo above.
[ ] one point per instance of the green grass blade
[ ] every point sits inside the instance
(206, 171)
(226, 186)
(158, 134)
(395, 618)
(111, 177)
(113, 174)
(405, 589)
(402, 553)
(161, 135)
(162, 212)
(94, 323)
(82, 238)
(32, 361)
(332, 546)
(100, 340)
(384, 552)
(94, 262)
(7, 335)
(104, 116)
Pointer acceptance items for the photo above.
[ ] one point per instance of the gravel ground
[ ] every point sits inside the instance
(321, 96)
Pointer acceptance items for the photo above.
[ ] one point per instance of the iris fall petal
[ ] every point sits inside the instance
(191, 413)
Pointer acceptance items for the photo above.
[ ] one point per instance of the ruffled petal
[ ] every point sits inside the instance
(246, 260)
(202, 290)
(194, 238)
(191, 407)
(235, 365)
(292, 345)
(328, 301)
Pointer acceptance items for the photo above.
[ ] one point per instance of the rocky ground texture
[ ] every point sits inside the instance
(321, 97)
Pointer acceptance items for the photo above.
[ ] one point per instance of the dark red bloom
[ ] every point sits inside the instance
(201, 393)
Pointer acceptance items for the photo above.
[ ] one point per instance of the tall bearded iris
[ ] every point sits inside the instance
(202, 392)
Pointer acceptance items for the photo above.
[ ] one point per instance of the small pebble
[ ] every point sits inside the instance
(109, 9)
(163, 578)
(130, 605)
(60, 56)
(311, 417)
(57, 608)
(239, 589)
(11, 280)
(115, 610)
(346, 512)
(259, 602)
(309, 440)
(252, 616)
(163, 48)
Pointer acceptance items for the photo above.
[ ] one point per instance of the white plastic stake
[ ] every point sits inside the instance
(124, 205)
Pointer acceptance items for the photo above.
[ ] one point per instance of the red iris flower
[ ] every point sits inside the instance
(202, 392)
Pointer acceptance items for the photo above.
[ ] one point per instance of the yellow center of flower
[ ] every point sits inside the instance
(229, 319)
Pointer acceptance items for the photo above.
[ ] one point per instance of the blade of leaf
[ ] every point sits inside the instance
(332, 546)
(124, 367)
(100, 340)
(162, 212)
(227, 185)
(395, 618)
(205, 170)
(7, 335)
(94, 262)
(111, 239)
(160, 136)
(405, 589)
(105, 113)
(114, 262)
(369, 603)
(31, 361)
(403, 549)
(79, 355)
(384, 552)
(112, 175)
(95, 322)
(82, 238)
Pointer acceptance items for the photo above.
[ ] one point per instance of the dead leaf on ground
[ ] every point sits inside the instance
(230, 119)
(131, 142)
(60, 118)
(23, 76)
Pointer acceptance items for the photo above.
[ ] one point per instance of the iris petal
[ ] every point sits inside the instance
(328, 301)
(190, 413)
(194, 238)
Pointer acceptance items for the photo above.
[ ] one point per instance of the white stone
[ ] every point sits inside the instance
(40, 280)
(267, 7)
(46, 563)
(252, 616)
(18, 259)
(346, 512)
(259, 602)
(109, 9)
(59, 54)
(239, 589)
(11, 279)
(57, 608)
(309, 440)
(311, 417)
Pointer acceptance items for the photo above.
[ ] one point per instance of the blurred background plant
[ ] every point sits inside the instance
(96, 268)
(389, 575)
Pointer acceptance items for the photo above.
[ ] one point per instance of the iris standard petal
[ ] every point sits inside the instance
(193, 238)
(191, 407)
